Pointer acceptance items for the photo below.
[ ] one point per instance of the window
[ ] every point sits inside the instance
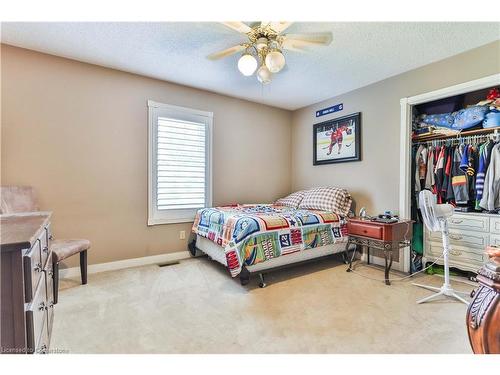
(180, 179)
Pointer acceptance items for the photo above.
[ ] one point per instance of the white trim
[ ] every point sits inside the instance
(405, 140)
(126, 263)
(190, 111)
(176, 216)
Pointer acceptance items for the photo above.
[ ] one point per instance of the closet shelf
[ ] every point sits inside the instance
(430, 137)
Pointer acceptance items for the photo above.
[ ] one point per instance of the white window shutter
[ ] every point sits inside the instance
(179, 163)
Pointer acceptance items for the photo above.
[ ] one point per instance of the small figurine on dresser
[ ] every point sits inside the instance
(483, 314)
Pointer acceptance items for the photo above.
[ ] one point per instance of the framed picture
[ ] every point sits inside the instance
(337, 140)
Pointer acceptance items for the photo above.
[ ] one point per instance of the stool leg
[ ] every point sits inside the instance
(55, 271)
(83, 266)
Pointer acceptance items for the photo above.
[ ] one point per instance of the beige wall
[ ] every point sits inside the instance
(78, 134)
(374, 181)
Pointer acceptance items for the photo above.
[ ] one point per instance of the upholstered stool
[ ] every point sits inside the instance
(62, 249)
(17, 199)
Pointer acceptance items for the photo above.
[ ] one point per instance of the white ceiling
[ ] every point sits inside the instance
(360, 54)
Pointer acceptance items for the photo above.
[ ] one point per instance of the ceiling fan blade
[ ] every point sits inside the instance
(226, 52)
(294, 46)
(310, 39)
(238, 26)
(279, 27)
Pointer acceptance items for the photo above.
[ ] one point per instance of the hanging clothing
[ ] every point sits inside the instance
(491, 191)
(439, 175)
(418, 163)
(480, 175)
(459, 179)
(429, 176)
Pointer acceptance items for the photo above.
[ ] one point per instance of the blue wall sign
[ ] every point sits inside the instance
(326, 111)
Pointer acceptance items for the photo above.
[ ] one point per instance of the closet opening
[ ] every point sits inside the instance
(454, 151)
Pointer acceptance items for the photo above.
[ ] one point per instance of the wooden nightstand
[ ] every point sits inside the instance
(377, 235)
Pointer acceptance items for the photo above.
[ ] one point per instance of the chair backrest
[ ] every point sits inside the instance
(15, 199)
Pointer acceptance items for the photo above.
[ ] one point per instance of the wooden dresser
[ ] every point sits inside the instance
(470, 234)
(27, 294)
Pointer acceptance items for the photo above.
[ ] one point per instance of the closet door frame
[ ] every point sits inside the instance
(405, 140)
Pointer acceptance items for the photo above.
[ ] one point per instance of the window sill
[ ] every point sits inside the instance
(152, 222)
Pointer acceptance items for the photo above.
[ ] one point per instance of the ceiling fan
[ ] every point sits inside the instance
(265, 45)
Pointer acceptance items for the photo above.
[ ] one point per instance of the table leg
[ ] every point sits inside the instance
(387, 282)
(349, 269)
(388, 265)
(368, 254)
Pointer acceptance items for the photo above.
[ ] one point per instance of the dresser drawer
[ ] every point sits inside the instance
(42, 345)
(49, 280)
(33, 270)
(495, 239)
(36, 315)
(463, 238)
(458, 254)
(365, 230)
(495, 225)
(44, 245)
(471, 223)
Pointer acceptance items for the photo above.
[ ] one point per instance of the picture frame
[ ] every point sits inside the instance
(337, 140)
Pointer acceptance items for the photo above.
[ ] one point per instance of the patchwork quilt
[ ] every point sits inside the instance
(251, 234)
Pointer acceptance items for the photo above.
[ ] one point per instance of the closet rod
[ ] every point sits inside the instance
(492, 134)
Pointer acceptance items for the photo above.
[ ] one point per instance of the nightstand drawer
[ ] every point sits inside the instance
(365, 230)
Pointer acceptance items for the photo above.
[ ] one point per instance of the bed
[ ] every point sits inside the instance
(255, 238)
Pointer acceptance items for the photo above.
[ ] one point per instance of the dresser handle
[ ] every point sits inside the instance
(38, 267)
(456, 221)
(42, 306)
(43, 349)
(456, 237)
(455, 253)
(45, 249)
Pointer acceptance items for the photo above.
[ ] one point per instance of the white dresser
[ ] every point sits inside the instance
(470, 233)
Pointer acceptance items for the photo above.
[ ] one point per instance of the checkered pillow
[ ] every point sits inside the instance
(292, 200)
(327, 199)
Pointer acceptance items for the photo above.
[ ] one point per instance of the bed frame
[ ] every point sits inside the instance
(216, 252)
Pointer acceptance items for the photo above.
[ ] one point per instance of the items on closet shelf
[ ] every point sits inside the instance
(485, 114)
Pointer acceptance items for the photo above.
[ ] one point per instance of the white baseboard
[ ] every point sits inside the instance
(126, 263)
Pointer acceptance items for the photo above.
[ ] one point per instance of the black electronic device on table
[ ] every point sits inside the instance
(386, 219)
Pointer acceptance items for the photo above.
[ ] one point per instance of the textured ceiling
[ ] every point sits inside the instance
(360, 54)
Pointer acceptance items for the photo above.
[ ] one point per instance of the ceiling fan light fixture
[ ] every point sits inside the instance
(247, 64)
(261, 43)
(264, 75)
(275, 61)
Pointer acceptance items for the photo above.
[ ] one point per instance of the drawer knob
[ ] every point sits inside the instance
(42, 306)
(45, 249)
(38, 267)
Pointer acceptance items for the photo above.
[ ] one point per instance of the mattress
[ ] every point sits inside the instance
(254, 234)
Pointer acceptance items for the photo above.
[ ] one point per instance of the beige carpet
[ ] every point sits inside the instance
(195, 307)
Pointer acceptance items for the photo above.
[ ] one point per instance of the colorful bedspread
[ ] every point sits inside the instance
(251, 234)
